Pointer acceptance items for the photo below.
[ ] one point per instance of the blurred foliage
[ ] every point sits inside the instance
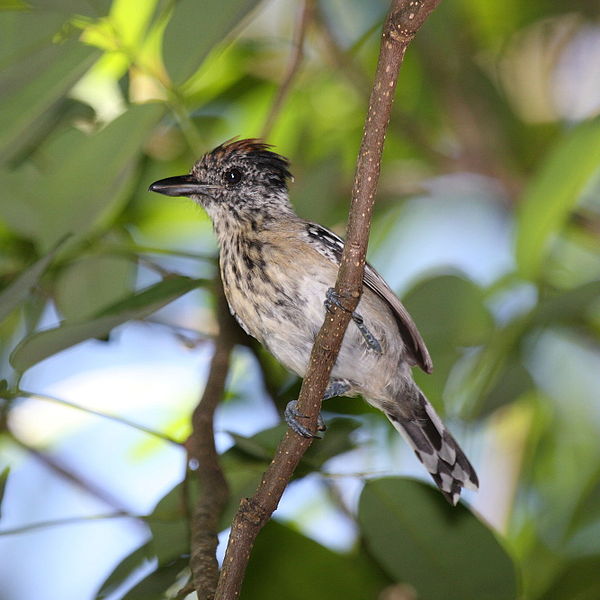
(100, 98)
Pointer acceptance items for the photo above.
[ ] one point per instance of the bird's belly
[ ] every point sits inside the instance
(287, 319)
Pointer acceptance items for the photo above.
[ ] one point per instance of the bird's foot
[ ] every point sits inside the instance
(332, 299)
(292, 415)
(369, 338)
(337, 387)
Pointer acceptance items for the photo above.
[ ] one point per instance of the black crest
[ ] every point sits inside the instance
(258, 154)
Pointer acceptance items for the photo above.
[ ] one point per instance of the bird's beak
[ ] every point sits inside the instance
(182, 185)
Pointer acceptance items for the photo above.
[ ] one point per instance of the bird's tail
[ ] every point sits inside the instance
(434, 446)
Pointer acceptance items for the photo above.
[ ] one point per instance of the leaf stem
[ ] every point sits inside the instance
(123, 421)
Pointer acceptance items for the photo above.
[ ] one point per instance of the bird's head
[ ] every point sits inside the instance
(239, 177)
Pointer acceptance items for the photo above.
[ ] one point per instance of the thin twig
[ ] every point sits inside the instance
(214, 491)
(69, 475)
(97, 413)
(294, 63)
(68, 521)
(402, 23)
(136, 249)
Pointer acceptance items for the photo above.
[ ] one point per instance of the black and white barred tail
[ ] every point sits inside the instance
(436, 449)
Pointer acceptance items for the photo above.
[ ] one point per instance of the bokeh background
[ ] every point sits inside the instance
(487, 225)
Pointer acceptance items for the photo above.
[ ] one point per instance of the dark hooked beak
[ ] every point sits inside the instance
(182, 185)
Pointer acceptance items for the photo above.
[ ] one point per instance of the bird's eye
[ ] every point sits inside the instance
(233, 176)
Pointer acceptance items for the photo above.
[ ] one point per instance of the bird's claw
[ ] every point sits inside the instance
(332, 298)
(292, 415)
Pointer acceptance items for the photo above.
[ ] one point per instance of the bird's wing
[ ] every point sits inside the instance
(331, 246)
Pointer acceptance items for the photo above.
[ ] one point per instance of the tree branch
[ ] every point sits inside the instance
(403, 21)
(214, 491)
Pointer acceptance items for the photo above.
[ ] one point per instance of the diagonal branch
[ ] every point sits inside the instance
(66, 472)
(403, 21)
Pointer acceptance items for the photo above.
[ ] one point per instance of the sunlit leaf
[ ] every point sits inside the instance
(445, 552)
(16, 292)
(195, 28)
(39, 346)
(554, 191)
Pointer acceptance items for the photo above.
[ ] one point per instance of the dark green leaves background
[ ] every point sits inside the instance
(100, 98)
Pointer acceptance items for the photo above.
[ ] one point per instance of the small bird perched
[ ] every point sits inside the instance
(278, 273)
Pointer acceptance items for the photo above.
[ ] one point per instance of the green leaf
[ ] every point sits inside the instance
(512, 382)
(90, 175)
(286, 564)
(450, 308)
(23, 33)
(157, 583)
(17, 291)
(567, 306)
(475, 376)
(84, 180)
(3, 482)
(451, 313)
(578, 581)
(13, 5)
(195, 28)
(39, 346)
(169, 523)
(585, 519)
(445, 552)
(243, 476)
(552, 194)
(91, 284)
(91, 8)
(125, 569)
(245, 463)
(262, 446)
(38, 81)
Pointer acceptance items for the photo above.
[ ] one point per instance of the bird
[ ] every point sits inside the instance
(278, 271)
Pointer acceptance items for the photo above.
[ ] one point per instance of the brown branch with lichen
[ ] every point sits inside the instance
(214, 491)
(295, 60)
(403, 21)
